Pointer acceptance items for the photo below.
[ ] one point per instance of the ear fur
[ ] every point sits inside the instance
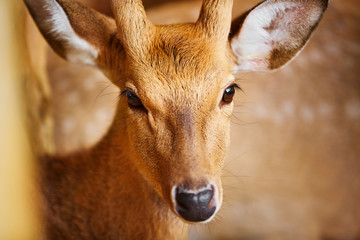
(74, 31)
(274, 32)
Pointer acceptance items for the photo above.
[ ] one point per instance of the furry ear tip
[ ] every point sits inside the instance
(324, 3)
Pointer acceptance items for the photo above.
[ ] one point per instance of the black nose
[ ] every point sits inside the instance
(195, 207)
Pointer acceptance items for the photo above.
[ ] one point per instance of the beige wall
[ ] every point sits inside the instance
(18, 218)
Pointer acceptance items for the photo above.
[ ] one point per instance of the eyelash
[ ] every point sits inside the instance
(235, 85)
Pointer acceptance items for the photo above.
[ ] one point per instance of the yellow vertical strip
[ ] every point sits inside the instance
(18, 215)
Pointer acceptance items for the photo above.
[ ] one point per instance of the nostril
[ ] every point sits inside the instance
(195, 206)
(185, 200)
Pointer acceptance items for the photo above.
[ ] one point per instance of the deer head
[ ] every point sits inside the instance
(177, 81)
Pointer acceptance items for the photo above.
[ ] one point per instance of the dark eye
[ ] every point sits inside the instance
(229, 94)
(133, 100)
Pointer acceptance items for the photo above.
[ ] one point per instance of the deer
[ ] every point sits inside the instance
(158, 168)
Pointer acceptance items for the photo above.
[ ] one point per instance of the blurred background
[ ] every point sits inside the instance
(293, 168)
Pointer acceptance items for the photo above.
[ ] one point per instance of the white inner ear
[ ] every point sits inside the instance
(269, 26)
(77, 49)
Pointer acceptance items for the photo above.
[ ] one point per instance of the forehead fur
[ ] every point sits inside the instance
(179, 63)
(179, 51)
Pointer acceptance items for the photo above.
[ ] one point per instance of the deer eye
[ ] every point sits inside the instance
(133, 100)
(229, 94)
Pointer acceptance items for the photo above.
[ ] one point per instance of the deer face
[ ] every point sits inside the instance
(176, 81)
(178, 119)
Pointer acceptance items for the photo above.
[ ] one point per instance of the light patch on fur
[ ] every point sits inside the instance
(77, 49)
(91, 130)
(102, 115)
(288, 111)
(307, 114)
(73, 97)
(278, 117)
(261, 112)
(92, 81)
(316, 56)
(68, 125)
(325, 109)
(288, 108)
(352, 109)
(271, 26)
(89, 84)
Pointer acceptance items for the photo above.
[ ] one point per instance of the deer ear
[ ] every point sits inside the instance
(74, 31)
(274, 32)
